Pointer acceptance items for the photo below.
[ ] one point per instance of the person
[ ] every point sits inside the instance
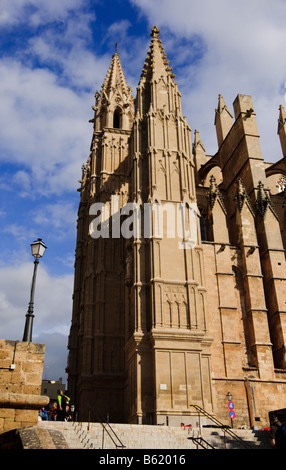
(277, 436)
(67, 414)
(43, 414)
(63, 401)
(53, 412)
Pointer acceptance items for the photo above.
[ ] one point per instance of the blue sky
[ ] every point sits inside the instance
(53, 57)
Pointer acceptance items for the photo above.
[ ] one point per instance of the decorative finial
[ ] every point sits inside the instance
(155, 32)
(215, 194)
(116, 48)
(263, 200)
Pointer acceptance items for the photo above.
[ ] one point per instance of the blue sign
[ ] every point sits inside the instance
(230, 405)
(232, 414)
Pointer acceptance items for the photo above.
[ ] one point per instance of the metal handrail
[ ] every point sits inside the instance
(105, 425)
(225, 428)
(202, 442)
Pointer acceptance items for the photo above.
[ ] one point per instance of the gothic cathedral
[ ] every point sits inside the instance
(163, 321)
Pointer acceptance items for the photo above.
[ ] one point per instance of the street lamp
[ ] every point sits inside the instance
(38, 249)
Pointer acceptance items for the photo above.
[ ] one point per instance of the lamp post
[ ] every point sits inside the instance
(38, 249)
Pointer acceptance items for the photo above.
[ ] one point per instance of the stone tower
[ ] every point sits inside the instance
(97, 337)
(167, 345)
(179, 289)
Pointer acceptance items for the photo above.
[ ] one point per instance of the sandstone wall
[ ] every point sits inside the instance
(21, 369)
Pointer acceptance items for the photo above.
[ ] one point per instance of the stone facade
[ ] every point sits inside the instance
(21, 369)
(162, 321)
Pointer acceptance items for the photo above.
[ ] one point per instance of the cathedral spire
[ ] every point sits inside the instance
(115, 76)
(157, 89)
(114, 105)
(156, 64)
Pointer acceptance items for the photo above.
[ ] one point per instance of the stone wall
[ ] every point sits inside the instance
(21, 369)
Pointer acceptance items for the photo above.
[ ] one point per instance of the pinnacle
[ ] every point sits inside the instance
(221, 105)
(155, 32)
(115, 75)
(156, 64)
(282, 115)
(197, 140)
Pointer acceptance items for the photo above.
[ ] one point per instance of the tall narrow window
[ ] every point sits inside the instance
(117, 119)
(205, 225)
(103, 118)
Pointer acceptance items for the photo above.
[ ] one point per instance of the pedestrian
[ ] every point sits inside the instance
(43, 414)
(63, 401)
(53, 412)
(277, 433)
(68, 416)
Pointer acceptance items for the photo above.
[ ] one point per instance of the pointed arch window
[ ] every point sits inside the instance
(205, 225)
(103, 118)
(117, 118)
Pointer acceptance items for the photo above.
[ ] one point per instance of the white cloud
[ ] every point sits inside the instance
(36, 12)
(59, 218)
(119, 29)
(52, 309)
(18, 231)
(15, 283)
(43, 126)
(46, 93)
(66, 49)
(77, 67)
(22, 179)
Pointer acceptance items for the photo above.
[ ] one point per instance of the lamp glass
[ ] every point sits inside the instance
(38, 248)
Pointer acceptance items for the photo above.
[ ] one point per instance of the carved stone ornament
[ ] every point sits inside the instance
(263, 200)
(241, 196)
(215, 194)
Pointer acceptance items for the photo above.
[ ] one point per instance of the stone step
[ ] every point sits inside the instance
(94, 436)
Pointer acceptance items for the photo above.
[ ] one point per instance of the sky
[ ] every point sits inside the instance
(54, 55)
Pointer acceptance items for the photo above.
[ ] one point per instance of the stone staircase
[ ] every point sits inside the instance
(251, 439)
(69, 435)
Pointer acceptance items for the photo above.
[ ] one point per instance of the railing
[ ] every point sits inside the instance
(86, 440)
(82, 435)
(226, 429)
(113, 436)
(201, 442)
